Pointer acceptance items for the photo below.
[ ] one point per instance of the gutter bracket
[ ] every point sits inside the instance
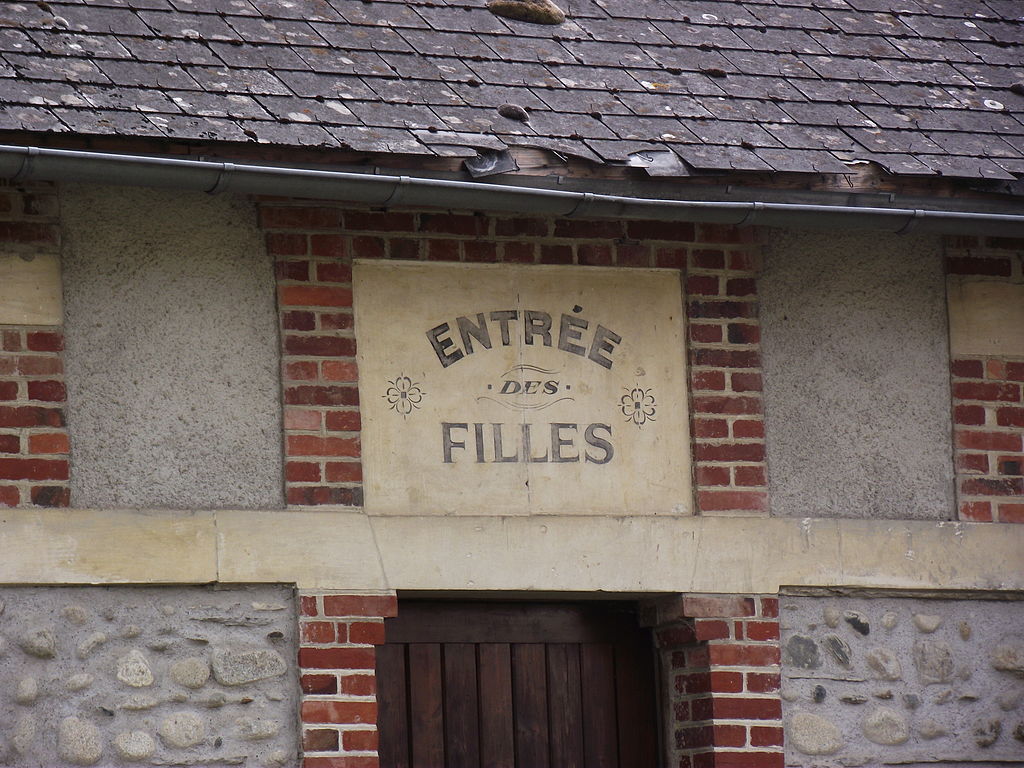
(755, 208)
(401, 186)
(912, 221)
(25, 171)
(581, 207)
(223, 179)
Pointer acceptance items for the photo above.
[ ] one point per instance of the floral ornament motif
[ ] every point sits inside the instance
(638, 406)
(403, 395)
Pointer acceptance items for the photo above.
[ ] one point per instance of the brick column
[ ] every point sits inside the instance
(34, 444)
(988, 398)
(337, 636)
(720, 658)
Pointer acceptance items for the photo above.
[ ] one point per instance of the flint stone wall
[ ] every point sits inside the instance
(148, 676)
(880, 681)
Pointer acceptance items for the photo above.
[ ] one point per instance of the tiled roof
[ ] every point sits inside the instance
(921, 87)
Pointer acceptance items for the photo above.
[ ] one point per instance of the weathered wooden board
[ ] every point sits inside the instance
(522, 390)
(30, 290)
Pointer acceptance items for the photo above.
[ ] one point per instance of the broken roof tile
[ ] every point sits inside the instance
(801, 161)
(721, 158)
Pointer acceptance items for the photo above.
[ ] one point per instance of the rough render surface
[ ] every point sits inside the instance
(878, 681)
(172, 359)
(148, 675)
(856, 367)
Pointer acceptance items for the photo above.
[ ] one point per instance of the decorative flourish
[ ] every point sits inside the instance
(638, 405)
(404, 395)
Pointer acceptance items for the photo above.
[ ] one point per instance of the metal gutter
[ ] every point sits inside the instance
(24, 163)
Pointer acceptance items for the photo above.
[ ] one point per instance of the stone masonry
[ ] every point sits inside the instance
(148, 676)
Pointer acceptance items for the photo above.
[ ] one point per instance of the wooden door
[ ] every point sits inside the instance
(516, 685)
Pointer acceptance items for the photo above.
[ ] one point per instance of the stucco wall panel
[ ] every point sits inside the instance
(856, 384)
(172, 359)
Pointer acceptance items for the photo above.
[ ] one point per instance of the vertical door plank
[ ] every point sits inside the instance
(392, 707)
(529, 687)
(634, 673)
(597, 670)
(565, 705)
(426, 717)
(462, 737)
(496, 731)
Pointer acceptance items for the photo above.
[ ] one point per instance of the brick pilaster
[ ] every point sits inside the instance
(338, 635)
(34, 445)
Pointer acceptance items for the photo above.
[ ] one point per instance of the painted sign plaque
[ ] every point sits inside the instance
(496, 389)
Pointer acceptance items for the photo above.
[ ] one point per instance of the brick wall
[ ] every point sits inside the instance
(988, 399)
(314, 246)
(337, 635)
(33, 440)
(720, 659)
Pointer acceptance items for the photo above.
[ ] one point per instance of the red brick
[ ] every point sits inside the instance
(336, 658)
(360, 605)
(311, 445)
(632, 255)
(1015, 371)
(358, 685)
(764, 736)
(320, 740)
(734, 405)
(342, 761)
(983, 486)
(335, 321)
(588, 230)
(329, 247)
(480, 251)
(343, 421)
(380, 221)
(709, 380)
(708, 334)
(704, 258)
(303, 370)
(339, 711)
(751, 476)
(306, 217)
(359, 740)
(743, 333)
(321, 395)
(726, 682)
(317, 632)
(770, 607)
(309, 605)
(729, 452)
(967, 369)
(33, 469)
(314, 296)
(710, 428)
(588, 254)
(702, 285)
(717, 606)
(404, 248)
(988, 441)
(51, 496)
(682, 231)
(333, 272)
(1011, 513)
(972, 462)
(11, 340)
(31, 416)
(521, 253)
(301, 419)
(302, 472)
(995, 369)
(971, 265)
(747, 759)
(311, 495)
(748, 709)
(671, 258)
(48, 442)
(743, 261)
(746, 382)
(320, 346)
(731, 655)
(521, 227)
(49, 391)
(674, 635)
(711, 476)
(726, 358)
(978, 390)
(969, 415)
(743, 428)
(762, 630)
(298, 321)
(45, 341)
(712, 629)
(763, 682)
(741, 286)
(1010, 417)
(10, 444)
(730, 735)
(443, 250)
(702, 709)
(286, 244)
(556, 254)
(9, 496)
(321, 684)
(976, 511)
(8, 390)
(8, 366)
(343, 472)
(721, 309)
(453, 224)
(366, 632)
(340, 370)
(694, 737)
(1010, 465)
(292, 270)
(368, 247)
(711, 501)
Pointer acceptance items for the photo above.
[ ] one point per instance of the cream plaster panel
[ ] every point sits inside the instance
(352, 552)
(986, 318)
(567, 447)
(30, 290)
